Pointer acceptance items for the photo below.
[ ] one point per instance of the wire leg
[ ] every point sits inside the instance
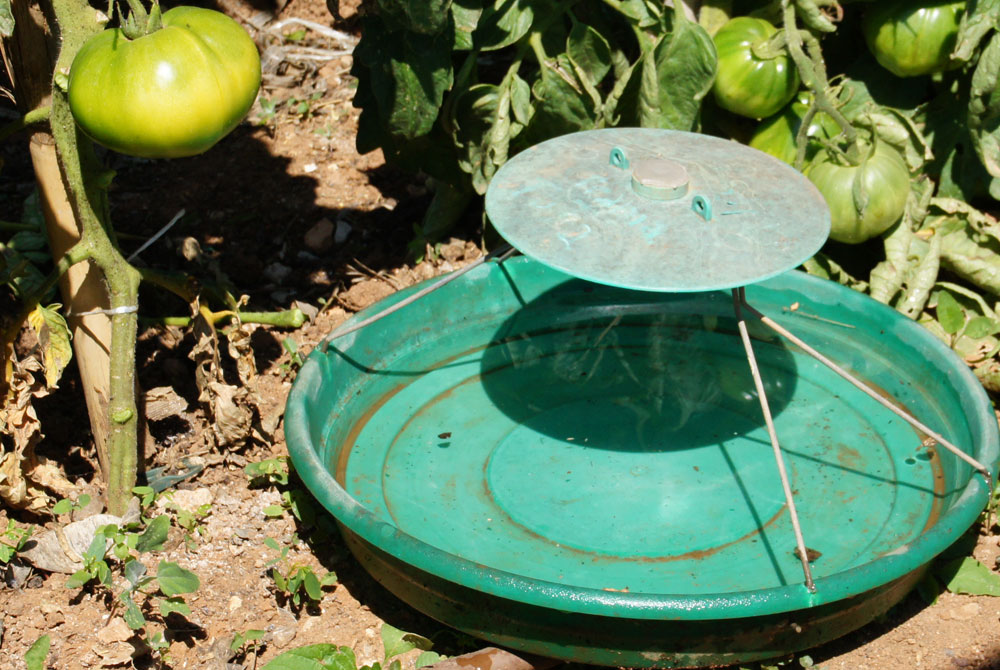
(800, 543)
(901, 413)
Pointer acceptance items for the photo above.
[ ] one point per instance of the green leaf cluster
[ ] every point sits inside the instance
(126, 545)
(298, 582)
(332, 657)
(453, 88)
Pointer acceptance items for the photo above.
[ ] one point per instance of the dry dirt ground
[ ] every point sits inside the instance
(291, 212)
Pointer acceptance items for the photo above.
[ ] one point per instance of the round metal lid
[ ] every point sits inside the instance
(657, 210)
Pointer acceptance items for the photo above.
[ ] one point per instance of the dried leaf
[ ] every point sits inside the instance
(233, 419)
(163, 402)
(54, 340)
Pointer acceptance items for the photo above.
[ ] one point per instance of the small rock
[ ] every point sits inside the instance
(116, 631)
(187, 500)
(320, 237)
(277, 272)
(282, 636)
(235, 602)
(343, 231)
(424, 270)
(966, 612)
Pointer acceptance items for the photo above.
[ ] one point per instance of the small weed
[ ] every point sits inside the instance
(268, 112)
(298, 582)
(303, 107)
(12, 540)
(295, 359)
(36, 655)
(273, 471)
(247, 642)
(166, 588)
(296, 35)
(332, 657)
(67, 506)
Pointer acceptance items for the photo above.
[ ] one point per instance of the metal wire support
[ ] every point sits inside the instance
(860, 385)
(501, 253)
(739, 301)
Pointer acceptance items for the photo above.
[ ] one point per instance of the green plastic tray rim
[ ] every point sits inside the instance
(703, 606)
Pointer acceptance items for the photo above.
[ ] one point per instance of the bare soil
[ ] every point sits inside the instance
(267, 205)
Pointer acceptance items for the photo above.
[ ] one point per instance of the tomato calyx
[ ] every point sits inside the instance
(773, 47)
(139, 22)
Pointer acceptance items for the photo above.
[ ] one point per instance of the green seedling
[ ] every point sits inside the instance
(12, 540)
(268, 112)
(332, 657)
(67, 506)
(36, 655)
(298, 582)
(247, 642)
(295, 359)
(273, 471)
(166, 587)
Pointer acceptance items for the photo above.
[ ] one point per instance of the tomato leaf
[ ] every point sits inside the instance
(978, 20)
(427, 16)
(969, 576)
(465, 16)
(503, 22)
(675, 76)
(984, 107)
(175, 580)
(949, 313)
(6, 30)
(589, 52)
(398, 642)
(314, 657)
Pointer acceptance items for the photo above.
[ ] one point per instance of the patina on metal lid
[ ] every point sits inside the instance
(657, 210)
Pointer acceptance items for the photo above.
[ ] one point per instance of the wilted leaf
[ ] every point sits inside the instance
(54, 340)
(980, 18)
(675, 76)
(984, 106)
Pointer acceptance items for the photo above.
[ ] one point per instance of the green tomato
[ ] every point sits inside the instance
(746, 84)
(776, 135)
(911, 38)
(882, 178)
(174, 92)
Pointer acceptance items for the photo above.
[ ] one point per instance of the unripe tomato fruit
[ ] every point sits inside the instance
(884, 178)
(745, 84)
(776, 135)
(174, 92)
(911, 38)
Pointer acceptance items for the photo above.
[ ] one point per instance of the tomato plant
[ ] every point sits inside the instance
(173, 92)
(913, 38)
(776, 135)
(749, 81)
(864, 199)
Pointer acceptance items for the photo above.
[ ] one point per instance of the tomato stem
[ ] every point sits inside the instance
(812, 70)
(85, 177)
(36, 115)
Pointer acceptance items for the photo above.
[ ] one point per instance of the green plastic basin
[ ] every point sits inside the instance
(581, 471)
